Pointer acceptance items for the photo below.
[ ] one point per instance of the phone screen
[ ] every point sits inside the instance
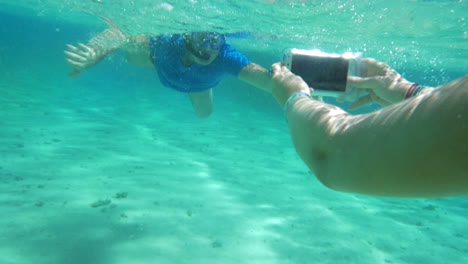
(321, 73)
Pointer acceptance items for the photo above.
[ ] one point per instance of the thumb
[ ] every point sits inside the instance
(74, 73)
(361, 102)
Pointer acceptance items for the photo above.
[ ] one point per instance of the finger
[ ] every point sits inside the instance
(287, 72)
(74, 56)
(318, 98)
(361, 102)
(72, 48)
(85, 47)
(381, 101)
(75, 64)
(276, 67)
(365, 83)
(86, 51)
(340, 98)
(285, 68)
(373, 67)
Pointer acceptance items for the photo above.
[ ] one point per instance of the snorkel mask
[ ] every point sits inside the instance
(203, 44)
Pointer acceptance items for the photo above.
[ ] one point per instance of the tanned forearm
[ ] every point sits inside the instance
(107, 42)
(137, 51)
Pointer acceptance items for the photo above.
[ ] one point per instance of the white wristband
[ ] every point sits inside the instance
(292, 97)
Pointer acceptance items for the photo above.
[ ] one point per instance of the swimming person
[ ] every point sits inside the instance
(417, 146)
(191, 63)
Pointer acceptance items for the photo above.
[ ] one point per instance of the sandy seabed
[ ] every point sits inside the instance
(132, 178)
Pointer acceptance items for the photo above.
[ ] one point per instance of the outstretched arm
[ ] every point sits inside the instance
(256, 76)
(83, 56)
(415, 148)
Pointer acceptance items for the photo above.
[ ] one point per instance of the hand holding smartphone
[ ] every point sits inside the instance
(326, 73)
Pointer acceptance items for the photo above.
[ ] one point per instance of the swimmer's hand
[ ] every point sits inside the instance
(80, 58)
(383, 84)
(285, 83)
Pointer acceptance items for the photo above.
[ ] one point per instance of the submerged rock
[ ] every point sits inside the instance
(100, 203)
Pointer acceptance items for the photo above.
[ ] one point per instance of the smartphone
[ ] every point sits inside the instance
(326, 73)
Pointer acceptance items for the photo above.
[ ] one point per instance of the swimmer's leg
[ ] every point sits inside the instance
(202, 103)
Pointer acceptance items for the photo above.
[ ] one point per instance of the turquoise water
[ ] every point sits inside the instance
(112, 167)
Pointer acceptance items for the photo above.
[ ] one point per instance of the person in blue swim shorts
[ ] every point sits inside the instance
(192, 63)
